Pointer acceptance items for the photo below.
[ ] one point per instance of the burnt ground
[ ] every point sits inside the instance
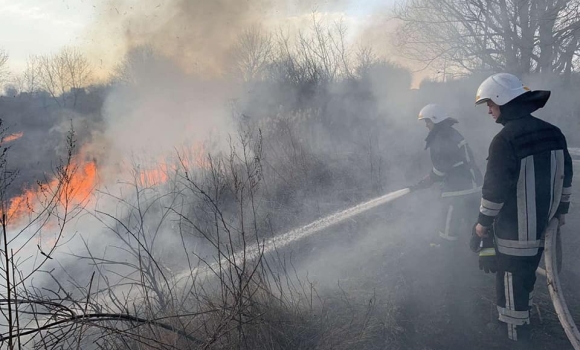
(442, 299)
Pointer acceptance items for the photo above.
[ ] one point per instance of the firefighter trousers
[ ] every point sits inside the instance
(515, 281)
(458, 213)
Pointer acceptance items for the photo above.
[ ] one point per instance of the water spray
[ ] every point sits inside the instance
(280, 241)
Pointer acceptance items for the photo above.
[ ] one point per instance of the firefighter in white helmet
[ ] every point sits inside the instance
(454, 167)
(527, 183)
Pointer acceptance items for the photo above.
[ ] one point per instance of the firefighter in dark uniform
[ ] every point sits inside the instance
(527, 183)
(454, 167)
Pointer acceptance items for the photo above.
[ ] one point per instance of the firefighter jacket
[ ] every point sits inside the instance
(528, 179)
(453, 163)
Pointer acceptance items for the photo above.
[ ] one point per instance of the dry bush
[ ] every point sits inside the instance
(172, 280)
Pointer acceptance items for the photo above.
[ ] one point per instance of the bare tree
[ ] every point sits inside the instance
(3, 66)
(252, 53)
(62, 74)
(317, 55)
(28, 81)
(366, 59)
(519, 36)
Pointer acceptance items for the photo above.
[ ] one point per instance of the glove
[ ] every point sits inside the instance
(425, 182)
(486, 248)
(487, 258)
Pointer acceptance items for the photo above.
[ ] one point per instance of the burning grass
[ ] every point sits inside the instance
(12, 137)
(83, 180)
(76, 190)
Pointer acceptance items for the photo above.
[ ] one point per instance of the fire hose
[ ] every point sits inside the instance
(554, 286)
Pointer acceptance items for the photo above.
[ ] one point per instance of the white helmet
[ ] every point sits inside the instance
(433, 112)
(500, 88)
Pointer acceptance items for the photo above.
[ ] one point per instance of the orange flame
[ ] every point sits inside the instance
(80, 179)
(196, 156)
(161, 172)
(12, 137)
(156, 176)
(81, 184)
(73, 187)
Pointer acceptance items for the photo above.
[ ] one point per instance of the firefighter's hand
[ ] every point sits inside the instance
(475, 241)
(481, 231)
(425, 182)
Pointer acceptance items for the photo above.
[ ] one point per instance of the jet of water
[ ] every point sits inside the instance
(280, 241)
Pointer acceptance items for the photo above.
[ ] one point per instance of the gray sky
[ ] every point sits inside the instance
(41, 26)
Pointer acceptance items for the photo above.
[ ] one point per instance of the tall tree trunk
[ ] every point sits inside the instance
(546, 21)
(527, 26)
(511, 59)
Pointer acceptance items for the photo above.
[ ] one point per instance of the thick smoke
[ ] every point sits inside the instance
(197, 35)
(164, 111)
